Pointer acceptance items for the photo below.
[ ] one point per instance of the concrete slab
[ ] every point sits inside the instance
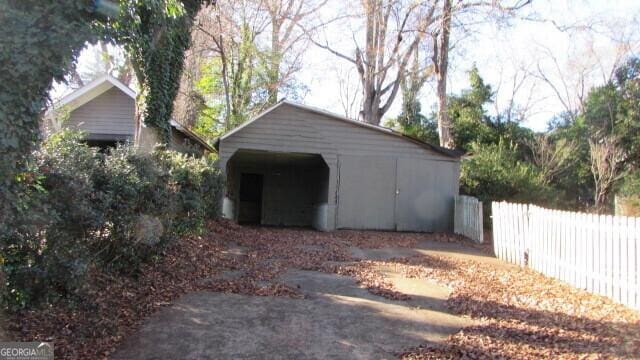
(336, 320)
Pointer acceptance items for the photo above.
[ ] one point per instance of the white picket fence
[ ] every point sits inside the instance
(467, 220)
(598, 253)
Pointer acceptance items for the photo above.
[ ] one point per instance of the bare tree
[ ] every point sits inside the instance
(188, 101)
(571, 78)
(516, 96)
(226, 34)
(287, 19)
(441, 47)
(412, 82)
(257, 48)
(607, 167)
(552, 158)
(348, 93)
(441, 65)
(393, 31)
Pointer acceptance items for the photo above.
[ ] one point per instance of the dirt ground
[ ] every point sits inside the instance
(277, 293)
(3, 325)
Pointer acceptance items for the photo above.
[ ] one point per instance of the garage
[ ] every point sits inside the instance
(295, 165)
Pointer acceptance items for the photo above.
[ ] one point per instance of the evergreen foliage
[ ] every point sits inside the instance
(78, 208)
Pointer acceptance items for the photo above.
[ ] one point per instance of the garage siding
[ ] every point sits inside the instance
(366, 202)
(112, 112)
(425, 196)
(363, 165)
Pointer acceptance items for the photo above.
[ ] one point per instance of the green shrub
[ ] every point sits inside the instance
(46, 246)
(493, 173)
(130, 185)
(630, 188)
(78, 208)
(198, 187)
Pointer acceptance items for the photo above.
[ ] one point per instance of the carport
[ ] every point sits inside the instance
(278, 188)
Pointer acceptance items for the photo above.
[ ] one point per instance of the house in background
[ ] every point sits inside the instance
(294, 165)
(105, 110)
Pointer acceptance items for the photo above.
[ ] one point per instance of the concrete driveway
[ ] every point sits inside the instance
(336, 319)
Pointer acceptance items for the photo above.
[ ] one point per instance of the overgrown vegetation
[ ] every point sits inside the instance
(579, 163)
(156, 35)
(41, 41)
(64, 207)
(79, 208)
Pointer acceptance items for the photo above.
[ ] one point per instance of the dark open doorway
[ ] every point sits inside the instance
(292, 188)
(250, 211)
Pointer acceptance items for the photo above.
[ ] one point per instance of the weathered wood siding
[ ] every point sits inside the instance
(288, 128)
(111, 113)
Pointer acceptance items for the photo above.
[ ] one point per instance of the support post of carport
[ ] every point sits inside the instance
(227, 203)
(332, 200)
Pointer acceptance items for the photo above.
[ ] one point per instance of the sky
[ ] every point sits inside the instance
(501, 53)
(523, 49)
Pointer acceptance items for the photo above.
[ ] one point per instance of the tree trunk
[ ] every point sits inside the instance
(225, 84)
(370, 112)
(274, 60)
(441, 62)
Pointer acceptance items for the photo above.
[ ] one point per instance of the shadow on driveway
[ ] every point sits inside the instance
(336, 320)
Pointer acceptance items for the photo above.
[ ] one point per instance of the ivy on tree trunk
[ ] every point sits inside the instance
(156, 34)
(40, 42)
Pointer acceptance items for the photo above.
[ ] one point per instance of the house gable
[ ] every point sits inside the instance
(290, 127)
(108, 116)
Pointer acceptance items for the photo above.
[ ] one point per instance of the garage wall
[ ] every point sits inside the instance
(425, 195)
(365, 200)
(289, 128)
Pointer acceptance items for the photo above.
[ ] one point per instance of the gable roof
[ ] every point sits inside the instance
(438, 149)
(92, 90)
(190, 134)
(101, 85)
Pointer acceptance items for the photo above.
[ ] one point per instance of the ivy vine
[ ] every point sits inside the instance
(156, 34)
(40, 41)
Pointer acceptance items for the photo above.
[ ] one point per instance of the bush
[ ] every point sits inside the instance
(78, 208)
(494, 173)
(630, 190)
(630, 186)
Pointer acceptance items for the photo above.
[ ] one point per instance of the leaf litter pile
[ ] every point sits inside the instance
(523, 315)
(520, 314)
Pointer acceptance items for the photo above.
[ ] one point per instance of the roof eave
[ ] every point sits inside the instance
(190, 134)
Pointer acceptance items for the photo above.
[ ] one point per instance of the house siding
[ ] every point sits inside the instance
(182, 143)
(354, 154)
(111, 113)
